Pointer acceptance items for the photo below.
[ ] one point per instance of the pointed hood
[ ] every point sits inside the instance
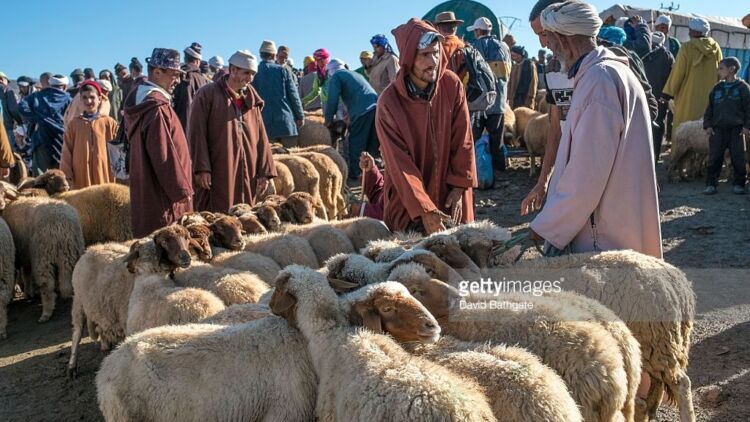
(407, 39)
(707, 47)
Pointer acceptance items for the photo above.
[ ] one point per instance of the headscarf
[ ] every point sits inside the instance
(612, 34)
(657, 39)
(322, 54)
(571, 18)
(381, 40)
(334, 66)
(699, 25)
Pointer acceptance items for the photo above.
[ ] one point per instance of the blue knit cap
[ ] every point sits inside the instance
(612, 34)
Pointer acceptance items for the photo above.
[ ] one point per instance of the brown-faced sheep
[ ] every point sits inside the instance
(284, 181)
(104, 212)
(268, 215)
(51, 181)
(300, 208)
(103, 280)
(48, 239)
(200, 245)
(536, 139)
(331, 183)
(7, 273)
(416, 390)
(305, 175)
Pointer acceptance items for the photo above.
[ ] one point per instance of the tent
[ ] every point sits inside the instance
(468, 11)
(730, 33)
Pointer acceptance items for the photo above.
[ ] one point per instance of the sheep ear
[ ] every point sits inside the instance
(282, 304)
(287, 214)
(131, 257)
(196, 245)
(370, 318)
(341, 286)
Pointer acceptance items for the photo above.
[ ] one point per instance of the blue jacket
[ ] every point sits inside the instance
(355, 92)
(282, 107)
(45, 109)
(494, 50)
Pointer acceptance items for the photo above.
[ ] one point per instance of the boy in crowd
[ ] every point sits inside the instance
(726, 120)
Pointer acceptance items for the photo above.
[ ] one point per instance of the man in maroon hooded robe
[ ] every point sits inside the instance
(425, 137)
(161, 188)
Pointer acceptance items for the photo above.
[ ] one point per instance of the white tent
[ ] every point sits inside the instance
(728, 32)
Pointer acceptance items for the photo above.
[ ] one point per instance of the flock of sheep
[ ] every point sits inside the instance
(284, 311)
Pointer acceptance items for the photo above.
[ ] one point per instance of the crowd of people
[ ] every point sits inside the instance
(194, 134)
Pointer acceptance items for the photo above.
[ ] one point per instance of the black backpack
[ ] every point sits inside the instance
(481, 90)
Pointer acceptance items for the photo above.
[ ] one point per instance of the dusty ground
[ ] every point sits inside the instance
(708, 237)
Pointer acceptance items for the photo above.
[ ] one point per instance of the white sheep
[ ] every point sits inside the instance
(360, 270)
(264, 267)
(328, 150)
(362, 230)
(230, 285)
(104, 212)
(478, 238)
(239, 314)
(48, 239)
(689, 152)
(266, 360)
(652, 297)
(324, 239)
(7, 274)
(285, 249)
(584, 353)
(365, 376)
(535, 137)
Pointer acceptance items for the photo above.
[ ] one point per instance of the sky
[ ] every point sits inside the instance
(45, 35)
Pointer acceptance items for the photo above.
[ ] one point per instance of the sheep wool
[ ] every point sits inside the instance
(230, 285)
(104, 211)
(264, 267)
(7, 274)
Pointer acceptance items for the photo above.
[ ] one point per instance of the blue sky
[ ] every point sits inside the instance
(98, 34)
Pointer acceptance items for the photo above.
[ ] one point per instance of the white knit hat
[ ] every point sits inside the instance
(244, 59)
(104, 84)
(58, 80)
(216, 61)
(663, 20)
(699, 25)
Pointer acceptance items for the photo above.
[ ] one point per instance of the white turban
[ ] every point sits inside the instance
(244, 59)
(571, 18)
(104, 84)
(699, 25)
(216, 61)
(663, 20)
(620, 22)
(334, 66)
(657, 38)
(58, 81)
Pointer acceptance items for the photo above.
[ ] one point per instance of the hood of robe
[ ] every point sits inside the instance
(407, 39)
(705, 47)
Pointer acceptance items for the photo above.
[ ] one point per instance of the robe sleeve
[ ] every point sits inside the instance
(198, 133)
(677, 76)
(406, 177)
(641, 44)
(292, 96)
(6, 153)
(462, 167)
(709, 114)
(314, 92)
(334, 92)
(66, 158)
(392, 69)
(265, 165)
(580, 187)
(26, 109)
(163, 158)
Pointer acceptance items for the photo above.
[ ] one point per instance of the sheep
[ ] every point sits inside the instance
(536, 139)
(584, 353)
(541, 101)
(51, 181)
(103, 280)
(268, 217)
(478, 238)
(285, 249)
(383, 382)
(509, 125)
(264, 267)
(523, 116)
(104, 212)
(331, 182)
(689, 151)
(301, 208)
(283, 183)
(7, 273)
(230, 285)
(306, 177)
(250, 222)
(362, 230)
(200, 246)
(328, 241)
(652, 297)
(48, 239)
(19, 171)
(328, 150)
(272, 377)
(226, 232)
(360, 270)
(518, 386)
(239, 314)
(314, 132)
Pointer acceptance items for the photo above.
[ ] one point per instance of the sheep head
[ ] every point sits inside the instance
(299, 208)
(438, 297)
(238, 210)
(434, 265)
(209, 216)
(53, 181)
(268, 217)
(146, 257)
(199, 241)
(226, 231)
(296, 280)
(191, 218)
(447, 248)
(274, 200)
(388, 307)
(251, 224)
(174, 244)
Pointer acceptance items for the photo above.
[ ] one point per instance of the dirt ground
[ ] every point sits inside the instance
(708, 237)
